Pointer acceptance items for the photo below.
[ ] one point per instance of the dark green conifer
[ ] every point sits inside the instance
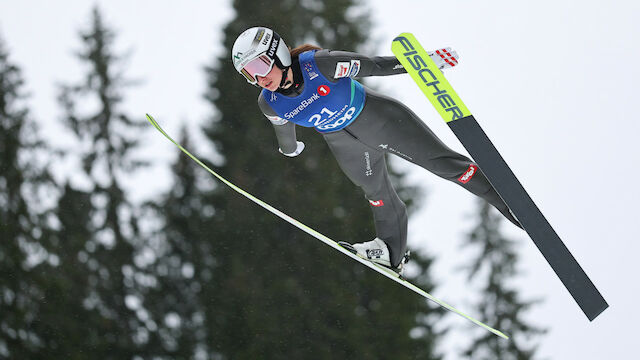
(106, 138)
(23, 179)
(495, 267)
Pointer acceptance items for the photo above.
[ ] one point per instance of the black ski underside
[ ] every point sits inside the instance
(515, 196)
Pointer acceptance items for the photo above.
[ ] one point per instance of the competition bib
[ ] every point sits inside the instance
(325, 105)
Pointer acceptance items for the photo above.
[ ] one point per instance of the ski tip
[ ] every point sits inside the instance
(404, 34)
(153, 122)
(592, 314)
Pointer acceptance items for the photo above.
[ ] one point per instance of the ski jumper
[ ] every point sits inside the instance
(360, 126)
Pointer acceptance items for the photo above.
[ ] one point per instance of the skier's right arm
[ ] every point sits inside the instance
(285, 130)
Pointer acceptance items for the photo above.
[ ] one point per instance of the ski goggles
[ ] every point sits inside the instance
(259, 66)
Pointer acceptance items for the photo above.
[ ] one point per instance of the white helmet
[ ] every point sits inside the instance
(256, 50)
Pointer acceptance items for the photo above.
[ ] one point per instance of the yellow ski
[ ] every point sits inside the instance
(380, 269)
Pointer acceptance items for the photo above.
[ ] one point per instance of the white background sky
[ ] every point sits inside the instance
(553, 83)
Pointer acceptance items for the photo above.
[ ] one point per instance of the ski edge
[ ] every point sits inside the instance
(378, 268)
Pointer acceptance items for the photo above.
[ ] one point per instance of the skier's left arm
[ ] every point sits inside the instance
(286, 135)
(337, 64)
(285, 131)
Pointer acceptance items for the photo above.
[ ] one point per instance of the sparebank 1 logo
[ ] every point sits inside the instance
(323, 90)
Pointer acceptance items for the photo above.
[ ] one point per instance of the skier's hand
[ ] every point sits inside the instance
(295, 153)
(444, 58)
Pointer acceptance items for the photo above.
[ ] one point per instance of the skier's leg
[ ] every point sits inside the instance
(391, 126)
(366, 167)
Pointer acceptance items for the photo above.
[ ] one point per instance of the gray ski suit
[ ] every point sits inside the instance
(385, 126)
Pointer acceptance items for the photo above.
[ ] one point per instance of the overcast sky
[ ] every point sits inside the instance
(553, 84)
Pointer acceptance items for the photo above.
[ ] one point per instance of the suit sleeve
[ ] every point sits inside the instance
(285, 130)
(332, 62)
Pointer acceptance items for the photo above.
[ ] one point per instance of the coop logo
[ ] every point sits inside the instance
(377, 203)
(303, 105)
(429, 79)
(466, 177)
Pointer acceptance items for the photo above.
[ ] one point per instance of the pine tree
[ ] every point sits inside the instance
(67, 325)
(175, 301)
(22, 178)
(106, 137)
(501, 306)
(268, 290)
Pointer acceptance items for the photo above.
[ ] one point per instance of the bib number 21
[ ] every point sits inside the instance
(321, 123)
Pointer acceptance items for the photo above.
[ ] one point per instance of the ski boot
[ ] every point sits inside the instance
(376, 251)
